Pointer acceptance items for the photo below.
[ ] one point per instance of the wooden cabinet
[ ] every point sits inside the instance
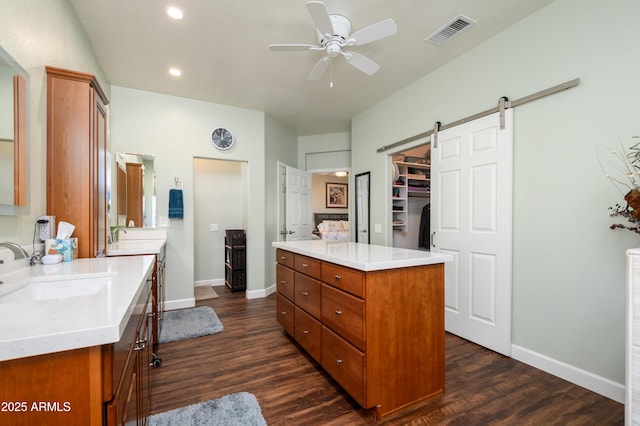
(77, 128)
(97, 385)
(379, 334)
(134, 194)
(130, 402)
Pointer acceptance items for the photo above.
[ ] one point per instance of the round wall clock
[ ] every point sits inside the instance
(222, 138)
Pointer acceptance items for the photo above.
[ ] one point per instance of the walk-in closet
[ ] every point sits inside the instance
(411, 191)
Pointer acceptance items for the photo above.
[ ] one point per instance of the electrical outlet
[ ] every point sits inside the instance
(47, 229)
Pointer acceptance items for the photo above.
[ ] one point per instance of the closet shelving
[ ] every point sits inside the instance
(413, 180)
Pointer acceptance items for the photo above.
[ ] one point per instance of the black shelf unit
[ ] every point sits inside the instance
(235, 260)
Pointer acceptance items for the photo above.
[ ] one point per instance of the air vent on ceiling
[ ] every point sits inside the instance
(450, 30)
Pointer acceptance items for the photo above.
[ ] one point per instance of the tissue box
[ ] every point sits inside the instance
(66, 247)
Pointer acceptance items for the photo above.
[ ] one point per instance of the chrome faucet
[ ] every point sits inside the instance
(18, 251)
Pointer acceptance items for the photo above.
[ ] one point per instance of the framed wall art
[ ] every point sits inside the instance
(337, 195)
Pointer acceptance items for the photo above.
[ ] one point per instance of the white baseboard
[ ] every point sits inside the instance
(587, 380)
(213, 283)
(257, 294)
(171, 305)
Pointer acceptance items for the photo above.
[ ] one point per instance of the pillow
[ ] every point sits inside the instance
(321, 227)
(332, 225)
(345, 225)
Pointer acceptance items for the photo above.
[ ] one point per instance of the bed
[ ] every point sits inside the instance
(331, 226)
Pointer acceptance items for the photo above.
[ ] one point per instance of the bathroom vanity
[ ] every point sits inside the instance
(74, 342)
(136, 242)
(372, 316)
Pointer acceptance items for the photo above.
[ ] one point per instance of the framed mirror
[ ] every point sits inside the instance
(13, 134)
(363, 205)
(136, 190)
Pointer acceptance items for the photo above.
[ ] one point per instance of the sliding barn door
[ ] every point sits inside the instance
(471, 219)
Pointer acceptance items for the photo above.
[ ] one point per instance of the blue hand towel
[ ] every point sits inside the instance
(176, 209)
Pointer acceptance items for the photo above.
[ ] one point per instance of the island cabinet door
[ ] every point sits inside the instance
(285, 314)
(285, 258)
(345, 363)
(285, 283)
(307, 294)
(344, 314)
(309, 334)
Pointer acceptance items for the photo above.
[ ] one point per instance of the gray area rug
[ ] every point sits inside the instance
(188, 323)
(236, 409)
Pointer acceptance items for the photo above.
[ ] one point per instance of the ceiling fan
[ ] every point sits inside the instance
(334, 33)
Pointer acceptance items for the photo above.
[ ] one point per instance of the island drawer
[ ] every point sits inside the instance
(286, 314)
(285, 283)
(346, 279)
(308, 266)
(284, 257)
(344, 363)
(344, 314)
(309, 334)
(307, 294)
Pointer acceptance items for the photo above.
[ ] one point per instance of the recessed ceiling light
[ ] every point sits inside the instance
(174, 12)
(175, 72)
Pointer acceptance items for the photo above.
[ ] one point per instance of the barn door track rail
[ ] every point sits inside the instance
(503, 104)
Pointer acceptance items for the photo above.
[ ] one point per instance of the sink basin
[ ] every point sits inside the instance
(47, 290)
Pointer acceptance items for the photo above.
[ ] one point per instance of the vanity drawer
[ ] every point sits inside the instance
(346, 279)
(345, 364)
(285, 283)
(307, 294)
(308, 266)
(284, 257)
(285, 314)
(344, 314)
(309, 333)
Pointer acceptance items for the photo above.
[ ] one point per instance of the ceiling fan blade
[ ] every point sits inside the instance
(361, 63)
(318, 71)
(320, 16)
(374, 32)
(290, 47)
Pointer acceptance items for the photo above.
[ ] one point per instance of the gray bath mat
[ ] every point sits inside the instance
(236, 409)
(188, 323)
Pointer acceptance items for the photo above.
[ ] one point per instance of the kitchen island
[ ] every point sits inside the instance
(73, 342)
(372, 316)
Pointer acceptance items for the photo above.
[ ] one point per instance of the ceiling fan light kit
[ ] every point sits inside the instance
(334, 33)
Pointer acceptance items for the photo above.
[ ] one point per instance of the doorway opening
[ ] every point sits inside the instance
(411, 197)
(220, 202)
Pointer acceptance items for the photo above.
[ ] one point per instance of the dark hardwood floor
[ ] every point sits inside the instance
(253, 354)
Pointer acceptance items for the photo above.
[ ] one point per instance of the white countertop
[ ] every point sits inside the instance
(135, 247)
(135, 241)
(365, 257)
(82, 303)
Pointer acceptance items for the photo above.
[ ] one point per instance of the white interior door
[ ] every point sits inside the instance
(471, 219)
(294, 218)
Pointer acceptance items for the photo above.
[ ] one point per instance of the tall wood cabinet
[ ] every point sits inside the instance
(77, 123)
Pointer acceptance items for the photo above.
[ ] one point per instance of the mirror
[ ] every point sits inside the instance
(135, 199)
(362, 208)
(13, 134)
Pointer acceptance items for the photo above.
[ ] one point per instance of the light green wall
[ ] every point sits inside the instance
(176, 130)
(37, 33)
(282, 145)
(568, 266)
(330, 151)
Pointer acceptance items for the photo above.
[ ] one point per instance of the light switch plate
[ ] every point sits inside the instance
(378, 228)
(213, 227)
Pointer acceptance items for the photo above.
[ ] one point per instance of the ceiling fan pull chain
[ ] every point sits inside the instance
(331, 80)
